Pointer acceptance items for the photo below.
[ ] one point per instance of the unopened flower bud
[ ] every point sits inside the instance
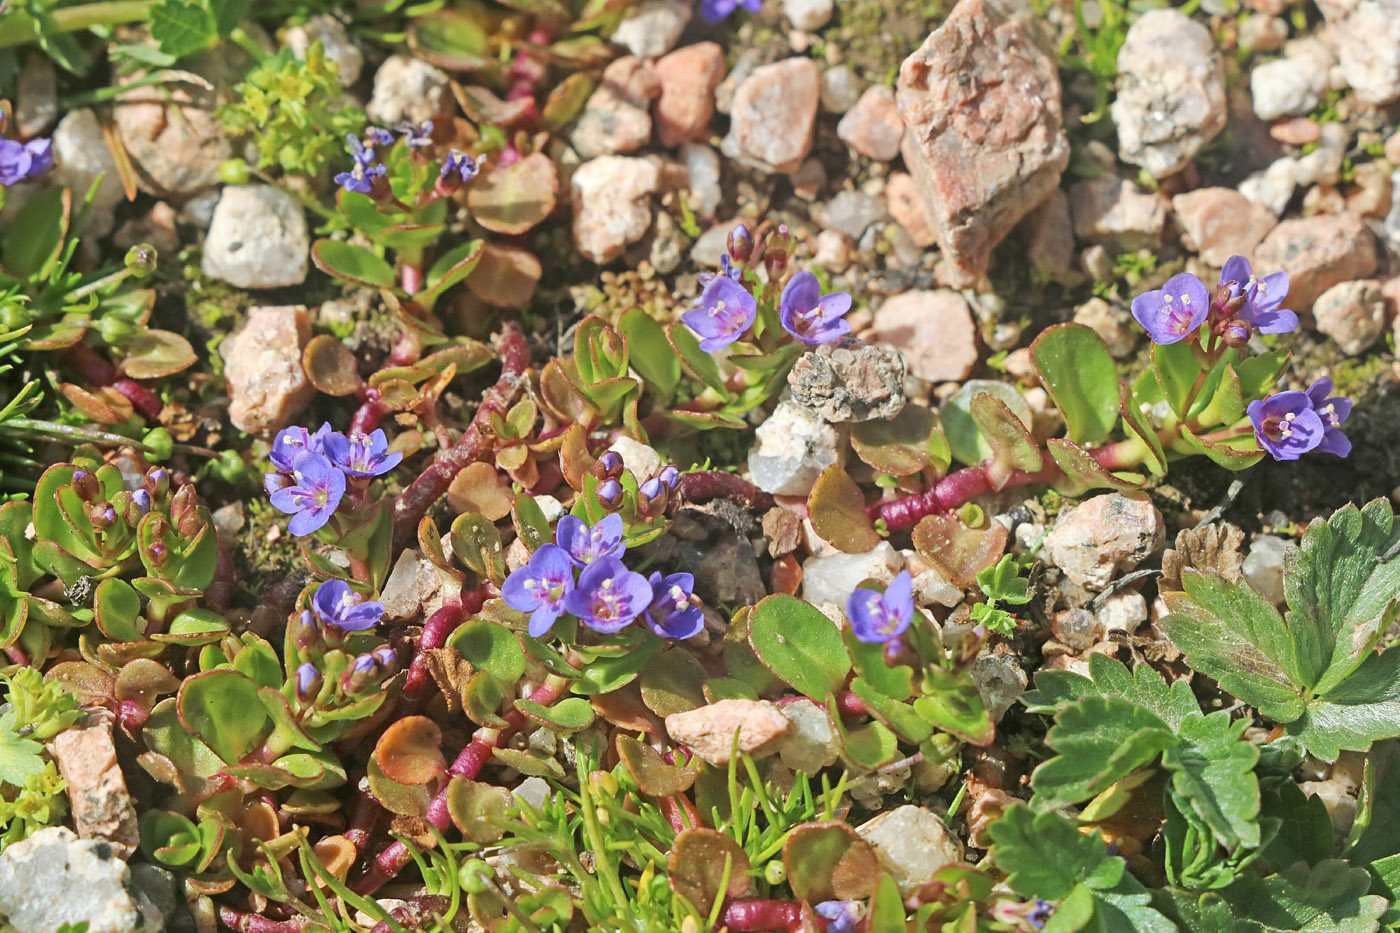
(102, 515)
(670, 476)
(608, 466)
(740, 243)
(141, 260)
(651, 498)
(157, 554)
(142, 499)
(775, 872)
(384, 656)
(86, 486)
(308, 681)
(1235, 333)
(158, 481)
(610, 494)
(184, 510)
(304, 630)
(775, 259)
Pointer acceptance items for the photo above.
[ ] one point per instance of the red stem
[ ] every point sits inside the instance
(475, 443)
(755, 914)
(703, 485)
(362, 820)
(241, 922)
(367, 416)
(951, 491)
(435, 631)
(142, 399)
(411, 278)
(679, 812)
(468, 764)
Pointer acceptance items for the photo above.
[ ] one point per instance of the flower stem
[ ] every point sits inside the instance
(18, 28)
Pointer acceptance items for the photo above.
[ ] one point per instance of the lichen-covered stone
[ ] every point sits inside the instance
(849, 380)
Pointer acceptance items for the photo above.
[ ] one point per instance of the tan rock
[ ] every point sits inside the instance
(1050, 235)
(1105, 536)
(981, 101)
(1352, 314)
(1114, 210)
(907, 207)
(617, 117)
(1220, 222)
(873, 126)
(689, 77)
(267, 386)
(172, 137)
(1317, 253)
(912, 843)
(932, 330)
(773, 114)
(709, 731)
(611, 205)
(97, 790)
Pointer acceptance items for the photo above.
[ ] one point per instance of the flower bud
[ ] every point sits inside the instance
(740, 243)
(652, 497)
(141, 260)
(610, 494)
(234, 172)
(385, 657)
(86, 486)
(1235, 333)
(304, 631)
(775, 259)
(775, 872)
(670, 476)
(184, 510)
(159, 444)
(102, 515)
(308, 681)
(157, 554)
(608, 466)
(475, 876)
(158, 481)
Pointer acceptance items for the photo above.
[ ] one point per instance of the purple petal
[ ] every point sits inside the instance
(284, 500)
(1319, 390)
(543, 619)
(1271, 321)
(1335, 442)
(309, 521)
(899, 597)
(834, 305)
(801, 295)
(1238, 270)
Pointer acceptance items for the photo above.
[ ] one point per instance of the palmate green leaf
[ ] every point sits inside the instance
(1362, 709)
(1375, 832)
(1110, 678)
(1100, 741)
(182, 27)
(1329, 897)
(20, 759)
(1213, 772)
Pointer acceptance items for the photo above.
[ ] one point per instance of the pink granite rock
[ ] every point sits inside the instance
(873, 126)
(267, 386)
(1317, 253)
(981, 101)
(611, 205)
(97, 792)
(1220, 223)
(773, 114)
(933, 331)
(709, 731)
(689, 77)
(908, 209)
(617, 117)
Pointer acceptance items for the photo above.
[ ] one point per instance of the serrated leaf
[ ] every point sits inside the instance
(1213, 770)
(228, 14)
(182, 27)
(1100, 741)
(1111, 678)
(20, 759)
(1043, 854)
(1329, 897)
(1361, 710)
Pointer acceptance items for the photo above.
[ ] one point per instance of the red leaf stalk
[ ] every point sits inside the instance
(435, 631)
(468, 764)
(951, 492)
(475, 443)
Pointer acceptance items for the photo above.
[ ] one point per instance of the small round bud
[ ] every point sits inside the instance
(1235, 333)
(610, 494)
(475, 876)
(114, 329)
(159, 444)
(102, 515)
(86, 486)
(141, 260)
(775, 872)
(670, 476)
(740, 243)
(234, 172)
(608, 466)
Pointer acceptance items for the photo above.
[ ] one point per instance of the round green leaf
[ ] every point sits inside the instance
(353, 263)
(830, 861)
(568, 715)
(490, 647)
(1077, 370)
(800, 645)
(222, 709)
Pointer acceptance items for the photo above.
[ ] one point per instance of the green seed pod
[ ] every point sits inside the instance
(475, 876)
(234, 172)
(775, 872)
(141, 260)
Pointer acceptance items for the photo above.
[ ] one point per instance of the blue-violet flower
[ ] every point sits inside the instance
(417, 134)
(461, 163)
(809, 315)
(19, 161)
(1175, 311)
(291, 441)
(361, 454)
(376, 136)
(1333, 411)
(584, 545)
(844, 916)
(1262, 297)
(540, 586)
(608, 596)
(670, 614)
(335, 603)
(313, 497)
(712, 11)
(724, 312)
(307, 678)
(1286, 425)
(879, 617)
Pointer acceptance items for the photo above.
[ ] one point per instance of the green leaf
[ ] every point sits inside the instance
(836, 506)
(1003, 583)
(966, 442)
(352, 263)
(1176, 369)
(1135, 426)
(490, 647)
(800, 645)
(20, 759)
(33, 238)
(568, 715)
(1100, 741)
(906, 444)
(651, 353)
(451, 267)
(182, 27)
(1362, 709)
(1043, 854)
(1011, 444)
(697, 362)
(1077, 370)
(1329, 897)
(222, 708)
(952, 702)
(1213, 769)
(1108, 677)
(228, 14)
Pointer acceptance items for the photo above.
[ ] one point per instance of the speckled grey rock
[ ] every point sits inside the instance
(257, 239)
(849, 380)
(80, 154)
(407, 88)
(650, 28)
(53, 878)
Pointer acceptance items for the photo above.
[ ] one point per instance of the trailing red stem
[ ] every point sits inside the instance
(754, 914)
(367, 416)
(950, 492)
(435, 631)
(704, 485)
(475, 443)
(241, 922)
(468, 765)
(362, 820)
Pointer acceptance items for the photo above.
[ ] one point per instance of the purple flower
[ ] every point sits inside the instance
(361, 177)
(610, 493)
(41, 151)
(361, 454)
(291, 441)
(307, 678)
(723, 313)
(416, 134)
(610, 464)
(1175, 311)
(583, 544)
(608, 596)
(739, 245)
(142, 498)
(461, 163)
(540, 587)
(314, 495)
(376, 136)
(845, 916)
(1286, 425)
(670, 614)
(726, 269)
(653, 489)
(712, 11)
(809, 315)
(19, 161)
(336, 604)
(1333, 411)
(879, 617)
(1262, 297)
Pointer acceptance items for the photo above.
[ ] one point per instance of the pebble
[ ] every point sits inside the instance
(932, 330)
(1171, 92)
(1272, 187)
(1103, 537)
(908, 209)
(1220, 222)
(773, 114)
(36, 96)
(1352, 314)
(100, 803)
(611, 205)
(849, 380)
(808, 15)
(1317, 253)
(1114, 325)
(1123, 612)
(1000, 681)
(341, 50)
(1371, 190)
(257, 238)
(832, 252)
(810, 744)
(54, 878)
(414, 590)
(80, 154)
(650, 29)
(1049, 234)
(981, 102)
(262, 362)
(793, 447)
(726, 570)
(408, 89)
(833, 579)
(709, 731)
(840, 89)
(1292, 85)
(1263, 33)
(1391, 227)
(1076, 629)
(912, 844)
(1392, 148)
(617, 117)
(853, 212)
(535, 791)
(1297, 131)
(1366, 34)
(873, 126)
(173, 138)
(688, 77)
(703, 172)
(1263, 567)
(1324, 164)
(1116, 211)
(643, 461)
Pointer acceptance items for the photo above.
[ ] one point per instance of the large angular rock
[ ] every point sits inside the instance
(611, 209)
(1317, 253)
(772, 115)
(257, 238)
(53, 878)
(1105, 536)
(101, 806)
(709, 731)
(981, 101)
(266, 384)
(1171, 92)
(1367, 37)
(1116, 211)
(1221, 222)
(689, 77)
(617, 117)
